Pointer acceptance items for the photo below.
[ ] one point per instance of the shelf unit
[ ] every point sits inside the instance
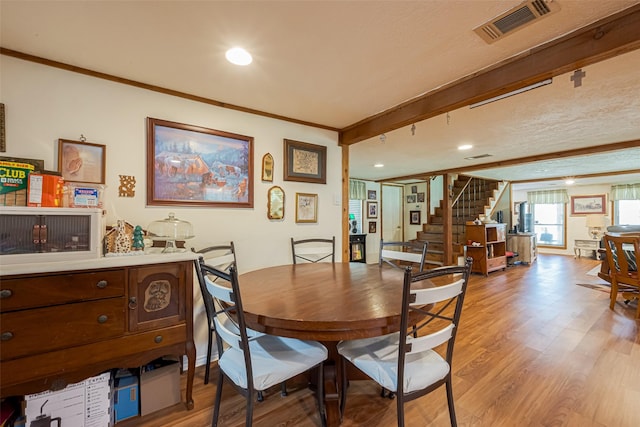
(490, 255)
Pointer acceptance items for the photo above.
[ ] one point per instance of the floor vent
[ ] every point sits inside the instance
(516, 18)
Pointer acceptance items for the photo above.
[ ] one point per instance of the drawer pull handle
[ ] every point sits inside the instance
(6, 336)
(103, 318)
(158, 339)
(102, 284)
(5, 293)
(133, 303)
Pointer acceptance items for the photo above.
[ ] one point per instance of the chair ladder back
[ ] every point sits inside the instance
(413, 252)
(430, 341)
(313, 250)
(437, 294)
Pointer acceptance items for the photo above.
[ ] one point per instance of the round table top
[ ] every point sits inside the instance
(323, 301)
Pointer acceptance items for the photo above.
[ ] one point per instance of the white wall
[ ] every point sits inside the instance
(576, 225)
(43, 104)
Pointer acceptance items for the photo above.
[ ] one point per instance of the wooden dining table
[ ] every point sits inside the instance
(325, 302)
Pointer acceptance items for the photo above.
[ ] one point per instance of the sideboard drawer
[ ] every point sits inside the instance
(41, 291)
(45, 329)
(496, 263)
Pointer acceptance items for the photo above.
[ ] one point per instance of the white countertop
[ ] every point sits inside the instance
(102, 262)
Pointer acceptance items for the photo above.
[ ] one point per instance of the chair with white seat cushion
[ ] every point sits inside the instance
(254, 363)
(313, 250)
(222, 257)
(408, 366)
(401, 254)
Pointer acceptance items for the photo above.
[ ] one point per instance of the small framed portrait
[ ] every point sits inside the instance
(306, 208)
(371, 194)
(411, 198)
(414, 217)
(420, 197)
(81, 161)
(414, 189)
(372, 209)
(267, 168)
(372, 227)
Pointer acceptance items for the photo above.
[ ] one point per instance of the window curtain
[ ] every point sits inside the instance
(625, 192)
(548, 197)
(357, 190)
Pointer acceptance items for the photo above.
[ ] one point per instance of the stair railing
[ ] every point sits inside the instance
(465, 206)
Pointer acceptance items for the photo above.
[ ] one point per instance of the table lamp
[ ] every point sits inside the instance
(596, 225)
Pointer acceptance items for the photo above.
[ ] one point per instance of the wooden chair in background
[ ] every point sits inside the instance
(622, 257)
(313, 250)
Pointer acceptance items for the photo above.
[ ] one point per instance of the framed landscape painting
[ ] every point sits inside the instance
(191, 165)
(584, 205)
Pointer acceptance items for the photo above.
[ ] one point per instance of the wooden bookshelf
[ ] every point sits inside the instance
(489, 253)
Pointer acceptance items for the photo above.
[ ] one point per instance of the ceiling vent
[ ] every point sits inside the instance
(516, 18)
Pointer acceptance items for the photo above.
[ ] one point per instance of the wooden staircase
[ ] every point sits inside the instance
(473, 198)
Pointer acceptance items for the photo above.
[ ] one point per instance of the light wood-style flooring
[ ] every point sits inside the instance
(533, 349)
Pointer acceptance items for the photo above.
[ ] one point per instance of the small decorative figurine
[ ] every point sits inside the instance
(123, 240)
(138, 239)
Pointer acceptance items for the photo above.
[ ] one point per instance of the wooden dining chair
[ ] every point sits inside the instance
(254, 363)
(313, 250)
(411, 367)
(222, 257)
(622, 256)
(402, 254)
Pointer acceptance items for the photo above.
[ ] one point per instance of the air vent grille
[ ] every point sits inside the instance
(516, 18)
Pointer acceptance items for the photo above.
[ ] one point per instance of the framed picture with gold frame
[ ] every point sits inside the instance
(80, 161)
(267, 168)
(306, 208)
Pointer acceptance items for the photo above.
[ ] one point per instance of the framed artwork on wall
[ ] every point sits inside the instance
(372, 209)
(414, 217)
(81, 161)
(584, 205)
(372, 227)
(304, 162)
(371, 194)
(306, 208)
(411, 198)
(267, 168)
(191, 165)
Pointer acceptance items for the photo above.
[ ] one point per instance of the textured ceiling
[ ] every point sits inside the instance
(336, 63)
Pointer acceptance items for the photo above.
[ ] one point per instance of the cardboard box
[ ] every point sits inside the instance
(126, 403)
(159, 386)
(45, 190)
(87, 403)
(13, 183)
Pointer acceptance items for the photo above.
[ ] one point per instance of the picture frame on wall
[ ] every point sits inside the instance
(189, 165)
(267, 168)
(414, 189)
(373, 225)
(414, 217)
(372, 209)
(371, 194)
(411, 198)
(306, 208)
(81, 161)
(585, 205)
(420, 198)
(304, 162)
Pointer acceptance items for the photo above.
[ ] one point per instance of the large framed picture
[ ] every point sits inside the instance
(195, 166)
(306, 208)
(80, 161)
(305, 162)
(584, 205)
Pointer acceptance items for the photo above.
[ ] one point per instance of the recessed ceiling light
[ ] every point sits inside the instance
(378, 165)
(569, 181)
(238, 56)
(465, 147)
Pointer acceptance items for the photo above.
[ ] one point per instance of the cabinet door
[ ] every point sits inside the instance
(157, 296)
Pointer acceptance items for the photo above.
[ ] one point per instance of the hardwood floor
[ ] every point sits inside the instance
(534, 349)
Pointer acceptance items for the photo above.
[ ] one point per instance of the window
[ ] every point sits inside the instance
(355, 215)
(549, 223)
(626, 212)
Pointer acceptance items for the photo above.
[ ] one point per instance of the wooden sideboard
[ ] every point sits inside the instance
(64, 322)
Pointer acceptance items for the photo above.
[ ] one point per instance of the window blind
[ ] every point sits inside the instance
(625, 192)
(548, 197)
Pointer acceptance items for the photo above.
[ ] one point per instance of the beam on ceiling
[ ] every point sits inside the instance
(521, 160)
(604, 39)
(588, 175)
